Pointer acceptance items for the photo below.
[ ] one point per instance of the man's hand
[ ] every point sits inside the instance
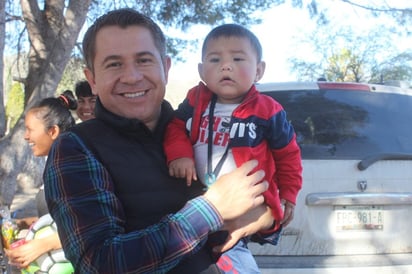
(183, 168)
(235, 193)
(256, 219)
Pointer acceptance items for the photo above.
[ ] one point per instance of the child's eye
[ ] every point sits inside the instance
(214, 60)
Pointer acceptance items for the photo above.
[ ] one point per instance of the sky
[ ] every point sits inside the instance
(278, 32)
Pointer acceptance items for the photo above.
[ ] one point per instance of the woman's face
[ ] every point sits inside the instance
(37, 136)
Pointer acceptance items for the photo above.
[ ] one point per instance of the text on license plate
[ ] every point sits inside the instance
(359, 217)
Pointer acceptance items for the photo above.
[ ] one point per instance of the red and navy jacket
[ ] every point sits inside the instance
(262, 132)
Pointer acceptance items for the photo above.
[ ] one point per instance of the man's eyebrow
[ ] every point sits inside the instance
(119, 57)
(142, 53)
(111, 58)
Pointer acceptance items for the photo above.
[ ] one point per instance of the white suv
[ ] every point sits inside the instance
(353, 214)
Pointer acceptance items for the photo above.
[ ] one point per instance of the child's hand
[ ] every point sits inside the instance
(289, 212)
(183, 168)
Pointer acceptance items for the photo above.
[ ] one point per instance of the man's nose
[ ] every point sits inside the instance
(131, 74)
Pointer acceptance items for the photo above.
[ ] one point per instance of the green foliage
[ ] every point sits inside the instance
(345, 67)
(71, 75)
(15, 104)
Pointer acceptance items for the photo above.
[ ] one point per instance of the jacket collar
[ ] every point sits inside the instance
(134, 127)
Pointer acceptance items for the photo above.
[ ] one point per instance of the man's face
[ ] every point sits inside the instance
(129, 76)
(85, 107)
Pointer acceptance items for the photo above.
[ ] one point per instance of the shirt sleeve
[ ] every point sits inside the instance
(177, 143)
(90, 219)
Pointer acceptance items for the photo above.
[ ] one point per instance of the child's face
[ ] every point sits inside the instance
(230, 67)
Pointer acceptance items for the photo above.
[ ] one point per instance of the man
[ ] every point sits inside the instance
(85, 101)
(107, 183)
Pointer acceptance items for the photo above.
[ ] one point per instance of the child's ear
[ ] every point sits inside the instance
(260, 70)
(200, 70)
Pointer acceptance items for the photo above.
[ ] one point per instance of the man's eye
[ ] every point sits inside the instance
(114, 64)
(144, 61)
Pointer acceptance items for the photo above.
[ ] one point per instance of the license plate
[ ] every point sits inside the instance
(359, 217)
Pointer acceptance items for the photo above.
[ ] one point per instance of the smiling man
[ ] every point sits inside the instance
(106, 181)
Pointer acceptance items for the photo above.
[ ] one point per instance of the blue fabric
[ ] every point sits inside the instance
(238, 260)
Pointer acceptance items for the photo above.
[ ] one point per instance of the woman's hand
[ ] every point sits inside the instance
(25, 254)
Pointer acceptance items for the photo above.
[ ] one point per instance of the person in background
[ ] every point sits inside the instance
(44, 123)
(225, 122)
(85, 101)
(106, 181)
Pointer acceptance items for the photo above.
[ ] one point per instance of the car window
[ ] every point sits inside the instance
(347, 124)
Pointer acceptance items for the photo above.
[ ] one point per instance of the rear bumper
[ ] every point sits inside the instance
(353, 264)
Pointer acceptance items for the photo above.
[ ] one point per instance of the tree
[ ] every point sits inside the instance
(15, 104)
(52, 33)
(3, 124)
(394, 9)
(343, 55)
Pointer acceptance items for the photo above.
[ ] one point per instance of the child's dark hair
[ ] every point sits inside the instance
(233, 30)
(56, 111)
(83, 89)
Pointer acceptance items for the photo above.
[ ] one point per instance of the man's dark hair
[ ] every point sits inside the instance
(122, 18)
(233, 30)
(83, 89)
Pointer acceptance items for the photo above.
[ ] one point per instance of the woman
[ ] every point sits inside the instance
(44, 122)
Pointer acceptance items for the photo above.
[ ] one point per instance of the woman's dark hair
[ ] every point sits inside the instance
(56, 111)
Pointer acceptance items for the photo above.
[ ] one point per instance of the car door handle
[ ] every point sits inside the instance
(368, 161)
(354, 198)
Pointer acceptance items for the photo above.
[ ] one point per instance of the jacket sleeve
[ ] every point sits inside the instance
(286, 154)
(91, 223)
(177, 142)
(288, 170)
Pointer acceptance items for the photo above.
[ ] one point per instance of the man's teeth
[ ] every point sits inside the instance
(133, 95)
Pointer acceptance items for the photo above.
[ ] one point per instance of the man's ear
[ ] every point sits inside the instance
(260, 70)
(167, 64)
(90, 78)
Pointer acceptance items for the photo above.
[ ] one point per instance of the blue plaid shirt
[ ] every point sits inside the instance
(81, 199)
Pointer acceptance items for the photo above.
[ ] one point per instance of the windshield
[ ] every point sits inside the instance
(343, 124)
